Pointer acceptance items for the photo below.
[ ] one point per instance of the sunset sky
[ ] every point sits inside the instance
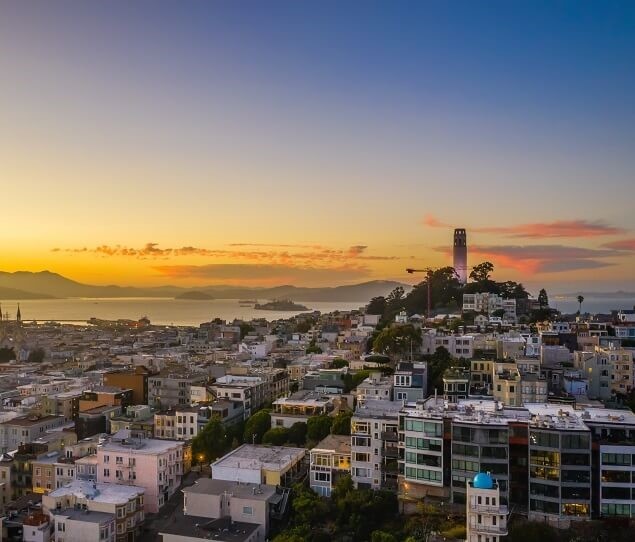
(317, 142)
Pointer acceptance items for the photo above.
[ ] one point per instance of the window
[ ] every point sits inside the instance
(107, 473)
(322, 476)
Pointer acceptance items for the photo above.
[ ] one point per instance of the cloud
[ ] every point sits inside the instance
(308, 256)
(262, 274)
(533, 259)
(536, 230)
(274, 245)
(623, 244)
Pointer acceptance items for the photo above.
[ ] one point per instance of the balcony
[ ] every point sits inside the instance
(492, 529)
(391, 451)
(489, 509)
(390, 436)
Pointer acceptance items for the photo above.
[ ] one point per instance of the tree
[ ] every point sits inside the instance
(211, 442)
(543, 299)
(338, 363)
(377, 305)
(313, 348)
(297, 434)
(36, 356)
(382, 536)
(7, 354)
(398, 340)
(342, 423)
(499, 313)
(580, 300)
(276, 436)
(482, 271)
(303, 327)
(318, 427)
(257, 425)
(294, 386)
(245, 329)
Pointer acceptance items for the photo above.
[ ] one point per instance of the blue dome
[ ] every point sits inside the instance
(483, 481)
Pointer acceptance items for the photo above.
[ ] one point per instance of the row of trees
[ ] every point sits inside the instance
(215, 440)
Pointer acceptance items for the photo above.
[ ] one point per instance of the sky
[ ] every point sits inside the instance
(317, 142)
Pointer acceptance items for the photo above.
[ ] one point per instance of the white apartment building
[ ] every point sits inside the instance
(329, 459)
(486, 516)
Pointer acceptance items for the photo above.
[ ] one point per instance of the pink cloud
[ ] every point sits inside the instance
(623, 244)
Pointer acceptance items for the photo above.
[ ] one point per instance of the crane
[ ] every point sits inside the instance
(428, 271)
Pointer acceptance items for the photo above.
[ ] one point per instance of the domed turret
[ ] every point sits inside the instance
(483, 481)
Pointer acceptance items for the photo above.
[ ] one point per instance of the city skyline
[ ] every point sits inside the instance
(317, 144)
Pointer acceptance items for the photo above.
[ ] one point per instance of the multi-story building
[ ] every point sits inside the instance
(506, 384)
(250, 390)
(74, 525)
(486, 515)
(301, 406)
(155, 465)
(459, 346)
(455, 384)
(374, 450)
(375, 387)
(410, 381)
(170, 389)
(559, 467)
(26, 429)
(330, 459)
(51, 471)
(135, 380)
(137, 418)
(124, 502)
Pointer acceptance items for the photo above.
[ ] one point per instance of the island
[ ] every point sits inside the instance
(280, 305)
(194, 296)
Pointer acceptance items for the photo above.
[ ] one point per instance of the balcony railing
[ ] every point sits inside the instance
(489, 509)
(390, 436)
(496, 529)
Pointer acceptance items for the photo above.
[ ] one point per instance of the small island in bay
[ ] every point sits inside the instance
(194, 296)
(280, 305)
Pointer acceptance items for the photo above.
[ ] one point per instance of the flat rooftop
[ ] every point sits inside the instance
(105, 493)
(85, 515)
(251, 456)
(341, 444)
(208, 486)
(139, 445)
(375, 408)
(221, 530)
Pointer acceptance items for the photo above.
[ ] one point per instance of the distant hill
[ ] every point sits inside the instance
(47, 285)
(194, 295)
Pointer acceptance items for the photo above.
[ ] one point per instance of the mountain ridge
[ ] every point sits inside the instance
(50, 285)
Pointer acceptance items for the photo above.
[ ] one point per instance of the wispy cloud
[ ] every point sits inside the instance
(537, 230)
(274, 245)
(263, 274)
(623, 244)
(308, 255)
(533, 259)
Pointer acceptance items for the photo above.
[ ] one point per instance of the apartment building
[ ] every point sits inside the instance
(410, 381)
(74, 525)
(455, 384)
(26, 429)
(124, 502)
(329, 460)
(135, 380)
(459, 346)
(155, 465)
(375, 387)
(486, 515)
(299, 407)
(374, 450)
(251, 391)
(170, 389)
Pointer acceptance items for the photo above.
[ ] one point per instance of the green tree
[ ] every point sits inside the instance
(580, 301)
(482, 271)
(382, 536)
(318, 427)
(303, 327)
(377, 305)
(313, 348)
(297, 434)
(36, 356)
(338, 363)
(256, 426)
(210, 443)
(245, 329)
(276, 436)
(7, 354)
(342, 423)
(398, 340)
(437, 365)
(294, 386)
(499, 313)
(543, 299)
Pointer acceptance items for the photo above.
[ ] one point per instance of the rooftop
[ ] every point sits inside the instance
(338, 443)
(123, 442)
(375, 408)
(250, 456)
(104, 493)
(221, 530)
(208, 486)
(85, 516)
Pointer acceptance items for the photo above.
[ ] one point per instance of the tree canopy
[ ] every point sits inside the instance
(256, 426)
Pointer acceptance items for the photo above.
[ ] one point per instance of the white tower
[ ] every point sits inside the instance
(460, 254)
(486, 516)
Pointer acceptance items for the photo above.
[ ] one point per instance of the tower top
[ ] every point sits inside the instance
(460, 237)
(18, 315)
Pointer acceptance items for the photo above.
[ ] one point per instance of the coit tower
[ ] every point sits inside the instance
(460, 254)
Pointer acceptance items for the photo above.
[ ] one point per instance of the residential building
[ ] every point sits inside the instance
(251, 391)
(299, 407)
(374, 450)
(486, 516)
(135, 380)
(329, 460)
(259, 464)
(74, 525)
(375, 387)
(26, 429)
(455, 384)
(170, 389)
(155, 465)
(410, 381)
